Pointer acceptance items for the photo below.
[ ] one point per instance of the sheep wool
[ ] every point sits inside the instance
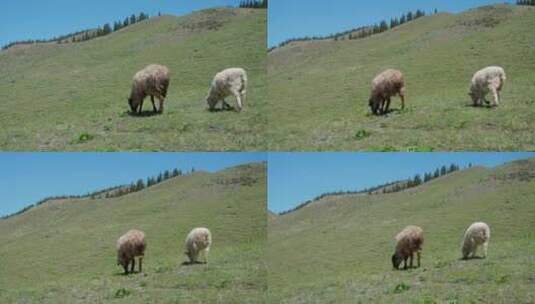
(198, 241)
(228, 82)
(129, 246)
(152, 81)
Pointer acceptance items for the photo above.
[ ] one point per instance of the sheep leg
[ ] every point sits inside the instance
(133, 265)
(485, 246)
(239, 101)
(405, 263)
(387, 105)
(418, 254)
(225, 105)
(411, 258)
(206, 255)
(496, 97)
(140, 106)
(161, 103)
(125, 269)
(243, 96)
(140, 264)
(153, 105)
(402, 96)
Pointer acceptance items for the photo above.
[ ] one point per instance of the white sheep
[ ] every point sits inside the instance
(476, 235)
(129, 246)
(490, 79)
(228, 82)
(408, 241)
(152, 81)
(198, 241)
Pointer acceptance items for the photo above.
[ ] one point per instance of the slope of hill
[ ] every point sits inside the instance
(319, 90)
(74, 96)
(338, 251)
(64, 251)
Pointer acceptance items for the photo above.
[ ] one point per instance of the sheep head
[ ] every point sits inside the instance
(374, 104)
(396, 260)
(133, 105)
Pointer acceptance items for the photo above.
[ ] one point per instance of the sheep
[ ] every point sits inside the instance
(476, 235)
(408, 241)
(129, 246)
(231, 81)
(489, 79)
(152, 81)
(387, 84)
(197, 241)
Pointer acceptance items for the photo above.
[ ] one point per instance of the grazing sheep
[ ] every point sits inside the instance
(489, 79)
(408, 241)
(198, 240)
(129, 246)
(231, 81)
(476, 235)
(151, 81)
(387, 84)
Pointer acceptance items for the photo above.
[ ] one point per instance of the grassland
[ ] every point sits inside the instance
(64, 251)
(318, 90)
(338, 250)
(66, 97)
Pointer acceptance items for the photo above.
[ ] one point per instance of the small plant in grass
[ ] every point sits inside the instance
(420, 149)
(401, 287)
(121, 293)
(361, 134)
(84, 137)
(502, 279)
(384, 149)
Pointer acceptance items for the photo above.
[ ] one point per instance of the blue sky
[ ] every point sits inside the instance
(299, 18)
(294, 178)
(33, 19)
(29, 177)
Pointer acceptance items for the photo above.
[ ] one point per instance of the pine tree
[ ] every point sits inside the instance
(106, 29)
(383, 26)
(403, 19)
(409, 16)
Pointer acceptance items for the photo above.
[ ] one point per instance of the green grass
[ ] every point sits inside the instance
(64, 251)
(338, 250)
(51, 95)
(318, 90)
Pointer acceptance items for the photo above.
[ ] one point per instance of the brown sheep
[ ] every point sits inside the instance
(408, 241)
(129, 246)
(151, 81)
(387, 84)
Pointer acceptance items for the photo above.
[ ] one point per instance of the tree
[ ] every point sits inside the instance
(403, 19)
(409, 17)
(133, 19)
(417, 180)
(140, 185)
(383, 26)
(106, 29)
(443, 170)
(166, 175)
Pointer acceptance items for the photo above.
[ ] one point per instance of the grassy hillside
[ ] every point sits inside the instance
(73, 96)
(64, 251)
(319, 90)
(338, 250)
